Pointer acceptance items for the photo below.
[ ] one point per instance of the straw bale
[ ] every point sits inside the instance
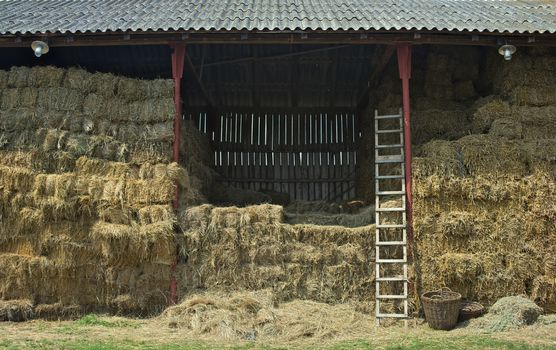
(19, 97)
(46, 76)
(109, 108)
(59, 98)
(439, 157)
(19, 77)
(302, 207)
(155, 213)
(16, 310)
(464, 90)
(99, 83)
(538, 122)
(100, 167)
(485, 114)
(131, 89)
(151, 152)
(533, 96)
(152, 110)
(151, 132)
(491, 155)
(58, 311)
(142, 243)
(16, 119)
(439, 123)
(3, 79)
(506, 127)
(544, 294)
(16, 179)
(119, 214)
(363, 217)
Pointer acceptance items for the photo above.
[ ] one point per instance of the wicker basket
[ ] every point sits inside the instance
(469, 310)
(441, 308)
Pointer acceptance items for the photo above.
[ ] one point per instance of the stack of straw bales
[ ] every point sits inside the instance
(85, 190)
(485, 216)
(251, 248)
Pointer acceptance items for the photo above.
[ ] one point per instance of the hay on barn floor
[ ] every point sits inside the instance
(256, 316)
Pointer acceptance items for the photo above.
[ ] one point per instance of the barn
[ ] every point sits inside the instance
(346, 151)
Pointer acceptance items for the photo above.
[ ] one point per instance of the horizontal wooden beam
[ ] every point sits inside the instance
(281, 37)
(274, 110)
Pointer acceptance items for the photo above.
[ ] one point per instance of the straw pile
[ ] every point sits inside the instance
(256, 316)
(85, 189)
(508, 313)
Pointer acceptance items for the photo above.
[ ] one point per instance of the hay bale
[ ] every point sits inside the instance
(543, 292)
(19, 97)
(440, 124)
(3, 79)
(506, 127)
(46, 76)
(508, 313)
(490, 155)
(439, 157)
(18, 77)
(59, 98)
(533, 96)
(464, 90)
(100, 83)
(363, 217)
(16, 310)
(538, 122)
(490, 110)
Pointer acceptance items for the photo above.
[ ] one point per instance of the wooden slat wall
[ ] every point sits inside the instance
(307, 153)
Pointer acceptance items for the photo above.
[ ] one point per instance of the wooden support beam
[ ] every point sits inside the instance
(374, 77)
(351, 37)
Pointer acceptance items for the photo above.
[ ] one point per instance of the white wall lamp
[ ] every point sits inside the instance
(507, 51)
(39, 47)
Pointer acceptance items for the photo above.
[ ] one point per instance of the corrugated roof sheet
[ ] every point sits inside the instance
(80, 16)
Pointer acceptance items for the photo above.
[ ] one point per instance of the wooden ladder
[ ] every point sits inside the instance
(396, 178)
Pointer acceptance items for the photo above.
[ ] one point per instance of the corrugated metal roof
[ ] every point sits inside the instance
(80, 16)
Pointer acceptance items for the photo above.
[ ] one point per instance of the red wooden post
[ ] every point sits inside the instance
(404, 67)
(178, 55)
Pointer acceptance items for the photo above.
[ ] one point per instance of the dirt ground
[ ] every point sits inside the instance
(101, 332)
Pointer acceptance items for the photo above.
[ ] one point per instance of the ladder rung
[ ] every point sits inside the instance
(380, 177)
(391, 243)
(387, 193)
(390, 226)
(389, 146)
(391, 116)
(392, 316)
(391, 279)
(389, 209)
(389, 131)
(386, 296)
(391, 261)
(398, 159)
